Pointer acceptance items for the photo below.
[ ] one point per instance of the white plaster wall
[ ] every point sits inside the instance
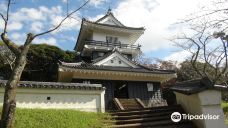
(210, 97)
(190, 104)
(116, 62)
(206, 102)
(60, 99)
(101, 36)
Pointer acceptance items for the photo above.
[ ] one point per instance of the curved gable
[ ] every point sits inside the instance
(110, 20)
(116, 60)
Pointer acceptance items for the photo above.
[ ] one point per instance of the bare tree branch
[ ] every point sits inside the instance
(9, 104)
(3, 17)
(14, 48)
(68, 15)
(206, 14)
(7, 17)
(226, 63)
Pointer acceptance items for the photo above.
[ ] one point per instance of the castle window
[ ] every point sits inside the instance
(48, 98)
(111, 40)
(86, 82)
(100, 54)
(150, 86)
(112, 61)
(120, 62)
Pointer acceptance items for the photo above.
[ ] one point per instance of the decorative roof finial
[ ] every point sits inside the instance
(109, 10)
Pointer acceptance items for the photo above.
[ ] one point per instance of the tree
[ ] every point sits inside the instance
(43, 62)
(166, 64)
(6, 56)
(9, 104)
(187, 72)
(7, 59)
(208, 50)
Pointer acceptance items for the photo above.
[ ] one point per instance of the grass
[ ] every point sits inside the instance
(225, 109)
(51, 118)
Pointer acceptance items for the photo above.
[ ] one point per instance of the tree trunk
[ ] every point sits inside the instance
(9, 105)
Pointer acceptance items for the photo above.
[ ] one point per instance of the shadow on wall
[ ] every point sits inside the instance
(169, 96)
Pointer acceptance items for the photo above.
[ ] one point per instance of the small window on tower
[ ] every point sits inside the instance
(111, 61)
(111, 40)
(120, 62)
(100, 54)
(150, 86)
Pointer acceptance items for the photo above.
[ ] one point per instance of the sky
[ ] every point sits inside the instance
(159, 17)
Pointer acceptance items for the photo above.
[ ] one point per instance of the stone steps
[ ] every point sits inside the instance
(130, 104)
(159, 124)
(157, 117)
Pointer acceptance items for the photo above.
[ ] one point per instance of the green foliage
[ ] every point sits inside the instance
(1, 43)
(186, 72)
(43, 62)
(4, 66)
(52, 118)
(224, 105)
(70, 56)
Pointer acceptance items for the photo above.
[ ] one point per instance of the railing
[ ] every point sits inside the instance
(118, 104)
(106, 44)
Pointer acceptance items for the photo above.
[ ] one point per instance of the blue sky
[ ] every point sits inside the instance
(157, 16)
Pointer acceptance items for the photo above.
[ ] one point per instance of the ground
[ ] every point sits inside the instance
(51, 118)
(225, 109)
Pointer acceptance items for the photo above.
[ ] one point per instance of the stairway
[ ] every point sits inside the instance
(128, 104)
(157, 117)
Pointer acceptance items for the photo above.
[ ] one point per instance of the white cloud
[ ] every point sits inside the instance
(68, 24)
(66, 38)
(156, 17)
(18, 38)
(41, 19)
(96, 3)
(15, 36)
(50, 41)
(15, 26)
(3, 7)
(178, 56)
(36, 27)
(42, 13)
(1, 24)
(27, 14)
(64, 1)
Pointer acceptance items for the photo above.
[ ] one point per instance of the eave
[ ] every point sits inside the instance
(54, 85)
(107, 74)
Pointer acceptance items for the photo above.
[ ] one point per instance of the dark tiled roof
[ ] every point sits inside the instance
(55, 85)
(221, 87)
(109, 13)
(91, 66)
(193, 86)
(111, 68)
(115, 26)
